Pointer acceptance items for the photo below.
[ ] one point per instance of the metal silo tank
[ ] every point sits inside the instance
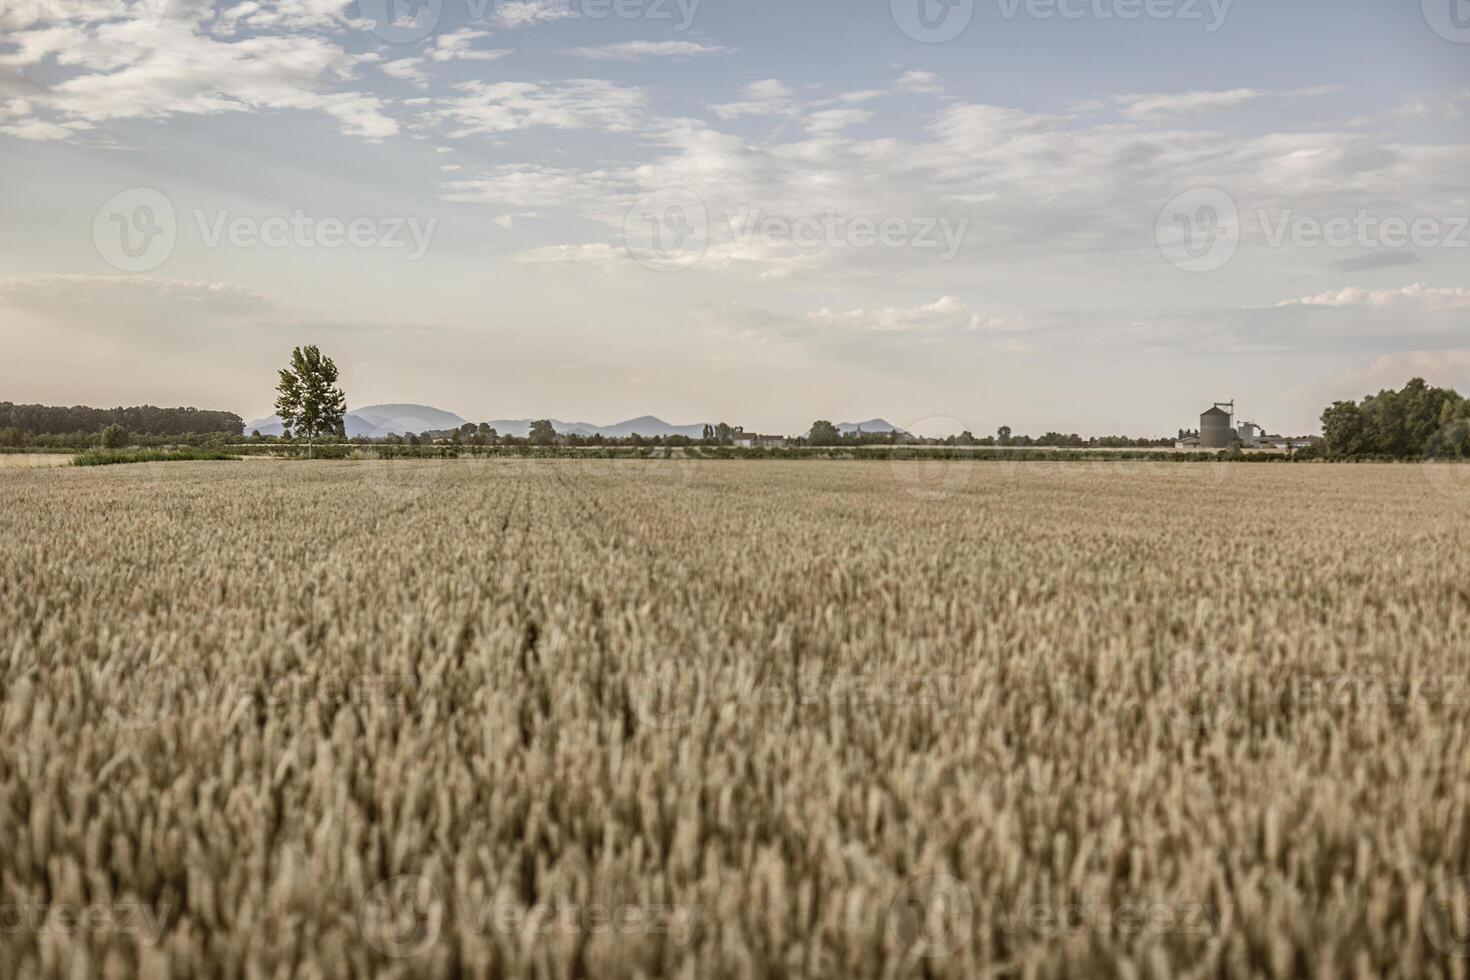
(1214, 429)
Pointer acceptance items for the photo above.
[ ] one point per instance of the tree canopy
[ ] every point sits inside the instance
(147, 420)
(1417, 420)
(824, 433)
(308, 400)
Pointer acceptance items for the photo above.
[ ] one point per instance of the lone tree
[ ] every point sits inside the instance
(308, 399)
(824, 433)
(543, 433)
(114, 437)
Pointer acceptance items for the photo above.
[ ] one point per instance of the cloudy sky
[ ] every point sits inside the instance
(1089, 215)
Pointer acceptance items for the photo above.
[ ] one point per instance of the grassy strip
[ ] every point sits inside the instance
(109, 457)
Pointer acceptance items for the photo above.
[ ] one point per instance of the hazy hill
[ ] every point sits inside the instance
(375, 421)
(872, 425)
(644, 425)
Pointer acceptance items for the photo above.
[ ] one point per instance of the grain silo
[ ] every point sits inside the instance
(1215, 431)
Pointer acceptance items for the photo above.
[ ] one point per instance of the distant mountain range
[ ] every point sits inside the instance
(872, 425)
(377, 421)
(644, 425)
(650, 425)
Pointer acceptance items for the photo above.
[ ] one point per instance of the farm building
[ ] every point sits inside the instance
(1215, 428)
(1218, 430)
(752, 440)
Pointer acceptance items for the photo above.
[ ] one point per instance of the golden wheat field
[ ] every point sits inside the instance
(517, 718)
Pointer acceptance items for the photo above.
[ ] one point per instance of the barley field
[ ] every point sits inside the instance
(676, 718)
(33, 460)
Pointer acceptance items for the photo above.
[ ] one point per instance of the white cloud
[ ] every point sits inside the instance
(458, 46)
(1453, 105)
(37, 129)
(601, 254)
(128, 68)
(924, 82)
(1042, 193)
(767, 97)
(945, 315)
(835, 120)
(408, 70)
(529, 186)
(512, 14)
(578, 103)
(1157, 105)
(1433, 299)
(278, 15)
(639, 50)
(83, 292)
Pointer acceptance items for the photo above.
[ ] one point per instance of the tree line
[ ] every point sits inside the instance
(1415, 422)
(22, 424)
(543, 433)
(824, 433)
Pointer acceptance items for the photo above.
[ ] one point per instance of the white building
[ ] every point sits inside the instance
(752, 440)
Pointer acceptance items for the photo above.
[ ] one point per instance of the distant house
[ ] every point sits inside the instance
(753, 440)
(1188, 442)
